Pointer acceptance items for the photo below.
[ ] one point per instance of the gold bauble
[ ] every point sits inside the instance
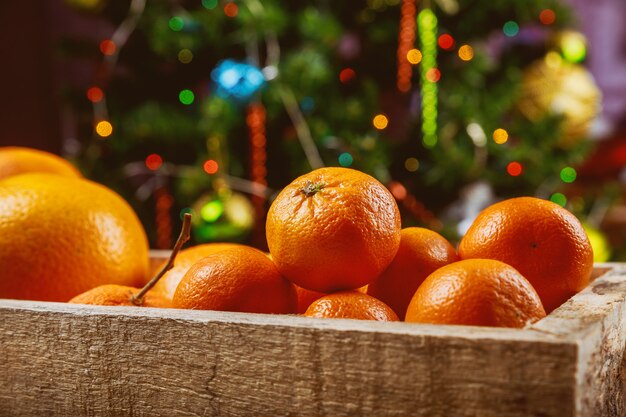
(553, 85)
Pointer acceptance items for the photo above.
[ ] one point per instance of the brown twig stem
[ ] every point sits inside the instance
(137, 299)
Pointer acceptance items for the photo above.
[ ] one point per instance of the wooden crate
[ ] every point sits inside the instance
(70, 360)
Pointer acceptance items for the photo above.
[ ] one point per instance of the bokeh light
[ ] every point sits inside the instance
(574, 46)
(398, 190)
(185, 56)
(346, 75)
(568, 175)
(411, 164)
(176, 23)
(107, 47)
(209, 4)
(210, 166)
(500, 136)
(466, 53)
(231, 9)
(345, 159)
(95, 94)
(212, 211)
(154, 161)
(380, 121)
(104, 128)
(510, 28)
(414, 56)
(186, 97)
(433, 75)
(547, 16)
(514, 169)
(559, 199)
(445, 41)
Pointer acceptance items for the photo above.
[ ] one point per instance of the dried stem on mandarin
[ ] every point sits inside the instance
(311, 188)
(137, 299)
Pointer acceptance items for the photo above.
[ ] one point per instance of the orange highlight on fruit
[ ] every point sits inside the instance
(476, 292)
(421, 252)
(542, 240)
(236, 279)
(119, 295)
(16, 160)
(351, 305)
(333, 229)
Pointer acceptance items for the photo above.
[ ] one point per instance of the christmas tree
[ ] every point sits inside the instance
(213, 106)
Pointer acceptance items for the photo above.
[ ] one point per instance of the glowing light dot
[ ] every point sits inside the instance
(514, 169)
(212, 211)
(154, 162)
(176, 23)
(210, 166)
(510, 28)
(568, 175)
(398, 190)
(95, 94)
(185, 56)
(346, 75)
(559, 199)
(345, 159)
(500, 136)
(433, 75)
(414, 56)
(547, 17)
(445, 41)
(466, 53)
(107, 47)
(553, 60)
(186, 97)
(104, 128)
(574, 47)
(231, 9)
(209, 4)
(411, 164)
(380, 121)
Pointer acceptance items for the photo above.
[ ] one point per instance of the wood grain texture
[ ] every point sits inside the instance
(71, 360)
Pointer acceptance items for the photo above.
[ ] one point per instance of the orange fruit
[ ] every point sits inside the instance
(350, 305)
(184, 260)
(421, 252)
(333, 229)
(119, 295)
(542, 240)
(62, 236)
(476, 292)
(236, 279)
(16, 160)
(306, 297)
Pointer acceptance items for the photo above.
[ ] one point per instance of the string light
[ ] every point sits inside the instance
(446, 41)
(212, 211)
(95, 94)
(345, 159)
(185, 56)
(176, 23)
(164, 203)
(514, 169)
(547, 17)
(209, 4)
(210, 166)
(568, 175)
(406, 41)
(411, 164)
(231, 9)
(500, 136)
(510, 28)
(427, 25)
(559, 199)
(186, 97)
(108, 47)
(154, 162)
(255, 120)
(346, 75)
(380, 121)
(574, 46)
(466, 53)
(414, 56)
(433, 75)
(104, 128)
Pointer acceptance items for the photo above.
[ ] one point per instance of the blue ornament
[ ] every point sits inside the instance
(237, 80)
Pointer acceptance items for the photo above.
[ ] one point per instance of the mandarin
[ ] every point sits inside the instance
(62, 236)
(421, 252)
(542, 240)
(350, 305)
(119, 295)
(236, 279)
(306, 297)
(476, 292)
(333, 229)
(185, 259)
(15, 160)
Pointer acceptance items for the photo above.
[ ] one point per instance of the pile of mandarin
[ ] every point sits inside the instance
(336, 250)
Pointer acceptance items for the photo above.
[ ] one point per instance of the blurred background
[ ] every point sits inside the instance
(212, 106)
